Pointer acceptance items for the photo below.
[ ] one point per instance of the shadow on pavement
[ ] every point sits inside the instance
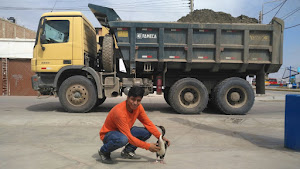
(161, 107)
(210, 110)
(116, 157)
(258, 140)
(45, 107)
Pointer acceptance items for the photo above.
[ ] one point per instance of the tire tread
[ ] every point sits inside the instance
(108, 53)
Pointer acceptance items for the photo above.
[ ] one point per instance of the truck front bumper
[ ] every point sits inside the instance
(43, 83)
(35, 82)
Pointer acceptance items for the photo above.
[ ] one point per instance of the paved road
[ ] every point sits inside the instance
(38, 133)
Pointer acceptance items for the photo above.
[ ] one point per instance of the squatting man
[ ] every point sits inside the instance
(118, 130)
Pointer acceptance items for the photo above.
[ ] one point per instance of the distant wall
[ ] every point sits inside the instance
(19, 78)
(12, 30)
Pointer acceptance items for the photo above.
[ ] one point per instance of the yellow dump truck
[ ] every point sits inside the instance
(191, 64)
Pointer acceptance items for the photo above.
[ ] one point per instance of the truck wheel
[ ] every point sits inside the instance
(233, 96)
(77, 94)
(108, 53)
(166, 95)
(188, 96)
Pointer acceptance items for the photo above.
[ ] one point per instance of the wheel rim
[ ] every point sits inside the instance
(189, 97)
(77, 95)
(236, 96)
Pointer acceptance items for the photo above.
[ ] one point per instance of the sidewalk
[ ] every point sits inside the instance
(269, 96)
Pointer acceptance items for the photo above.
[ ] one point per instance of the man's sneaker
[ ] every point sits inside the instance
(105, 157)
(129, 155)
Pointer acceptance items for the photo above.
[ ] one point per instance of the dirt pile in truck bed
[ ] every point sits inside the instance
(210, 16)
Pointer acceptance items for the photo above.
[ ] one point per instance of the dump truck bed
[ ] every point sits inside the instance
(219, 46)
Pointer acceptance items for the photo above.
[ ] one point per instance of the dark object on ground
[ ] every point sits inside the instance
(210, 16)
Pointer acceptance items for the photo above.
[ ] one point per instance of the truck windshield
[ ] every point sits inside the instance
(56, 31)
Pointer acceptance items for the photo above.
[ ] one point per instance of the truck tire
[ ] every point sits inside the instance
(188, 96)
(166, 95)
(77, 94)
(108, 53)
(233, 96)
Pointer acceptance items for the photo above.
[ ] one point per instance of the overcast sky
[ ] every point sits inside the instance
(28, 12)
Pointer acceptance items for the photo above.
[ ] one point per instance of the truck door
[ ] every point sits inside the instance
(54, 49)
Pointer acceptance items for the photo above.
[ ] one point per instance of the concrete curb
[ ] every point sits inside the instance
(283, 89)
(280, 89)
(263, 97)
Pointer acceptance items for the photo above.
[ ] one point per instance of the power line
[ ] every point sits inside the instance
(153, 6)
(292, 26)
(174, 9)
(280, 8)
(151, 2)
(78, 8)
(273, 8)
(291, 13)
(85, 9)
(148, 11)
(25, 9)
(149, 5)
(54, 5)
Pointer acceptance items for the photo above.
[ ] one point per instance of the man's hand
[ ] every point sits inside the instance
(153, 147)
(168, 141)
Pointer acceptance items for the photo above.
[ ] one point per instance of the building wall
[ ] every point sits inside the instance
(1, 77)
(12, 30)
(19, 69)
(19, 77)
(16, 48)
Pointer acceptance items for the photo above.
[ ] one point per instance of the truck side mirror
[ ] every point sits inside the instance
(43, 38)
(42, 35)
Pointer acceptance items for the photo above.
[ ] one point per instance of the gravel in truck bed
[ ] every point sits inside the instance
(210, 16)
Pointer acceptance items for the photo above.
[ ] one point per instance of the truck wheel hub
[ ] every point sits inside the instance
(235, 96)
(188, 96)
(77, 95)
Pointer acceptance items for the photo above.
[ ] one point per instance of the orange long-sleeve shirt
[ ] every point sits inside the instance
(120, 119)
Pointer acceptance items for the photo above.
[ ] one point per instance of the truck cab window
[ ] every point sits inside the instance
(56, 31)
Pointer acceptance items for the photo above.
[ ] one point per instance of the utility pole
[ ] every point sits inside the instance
(192, 5)
(260, 17)
(290, 79)
(261, 13)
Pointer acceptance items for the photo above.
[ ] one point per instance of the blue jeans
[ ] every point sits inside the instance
(115, 139)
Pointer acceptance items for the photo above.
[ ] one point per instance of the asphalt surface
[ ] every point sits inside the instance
(38, 133)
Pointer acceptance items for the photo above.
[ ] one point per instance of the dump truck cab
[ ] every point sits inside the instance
(65, 42)
(63, 39)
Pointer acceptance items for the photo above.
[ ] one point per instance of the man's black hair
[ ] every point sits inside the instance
(136, 91)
